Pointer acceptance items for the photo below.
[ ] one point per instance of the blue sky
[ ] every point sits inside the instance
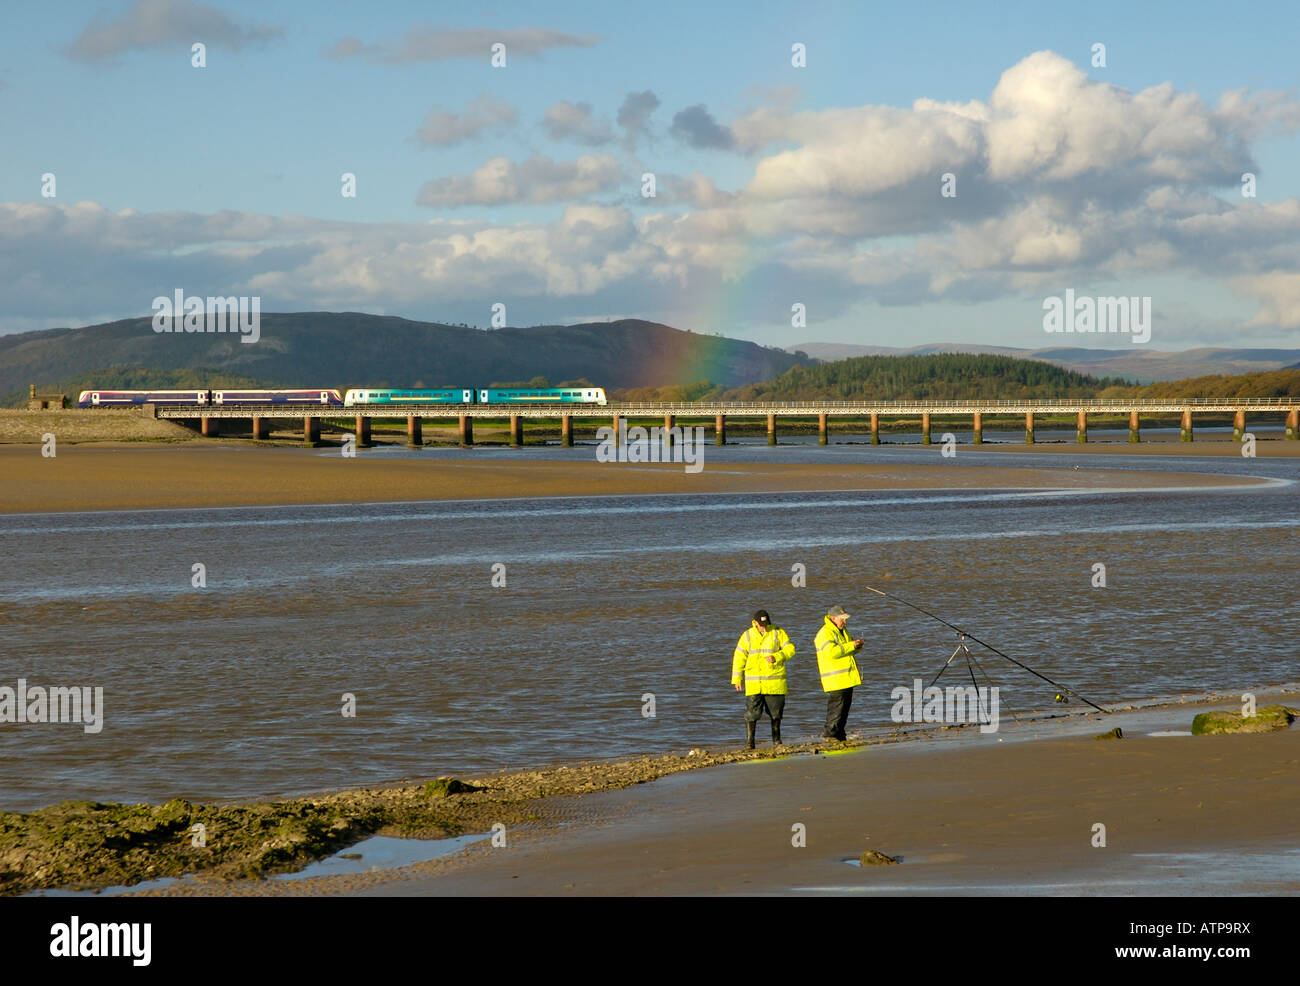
(776, 185)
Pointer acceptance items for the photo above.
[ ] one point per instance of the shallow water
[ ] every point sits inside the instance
(377, 853)
(235, 690)
(1196, 874)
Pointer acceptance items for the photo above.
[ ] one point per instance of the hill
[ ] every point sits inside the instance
(343, 349)
(1278, 383)
(1138, 363)
(950, 376)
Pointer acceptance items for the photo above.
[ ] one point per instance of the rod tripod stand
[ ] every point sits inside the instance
(972, 662)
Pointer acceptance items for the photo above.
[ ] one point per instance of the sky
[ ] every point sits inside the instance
(869, 173)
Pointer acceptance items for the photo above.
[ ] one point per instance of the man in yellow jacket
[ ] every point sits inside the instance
(839, 671)
(758, 666)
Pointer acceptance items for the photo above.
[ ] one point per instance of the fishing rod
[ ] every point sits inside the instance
(966, 633)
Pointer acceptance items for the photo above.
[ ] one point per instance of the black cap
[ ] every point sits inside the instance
(762, 618)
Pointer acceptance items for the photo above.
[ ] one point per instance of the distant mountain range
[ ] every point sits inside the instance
(342, 349)
(1140, 364)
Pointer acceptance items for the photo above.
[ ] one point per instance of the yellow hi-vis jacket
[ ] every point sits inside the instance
(835, 658)
(751, 661)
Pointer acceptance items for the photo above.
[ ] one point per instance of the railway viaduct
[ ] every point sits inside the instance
(310, 417)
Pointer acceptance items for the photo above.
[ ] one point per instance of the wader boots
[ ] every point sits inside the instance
(776, 732)
(749, 735)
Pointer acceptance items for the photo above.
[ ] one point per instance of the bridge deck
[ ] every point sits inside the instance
(650, 409)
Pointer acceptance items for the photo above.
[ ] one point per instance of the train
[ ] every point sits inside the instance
(327, 397)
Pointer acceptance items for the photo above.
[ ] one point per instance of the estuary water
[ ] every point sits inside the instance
(477, 635)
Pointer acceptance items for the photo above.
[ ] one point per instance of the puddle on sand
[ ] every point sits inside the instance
(376, 853)
(1172, 732)
(382, 852)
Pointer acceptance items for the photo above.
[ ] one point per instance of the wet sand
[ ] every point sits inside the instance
(966, 814)
(220, 474)
(986, 819)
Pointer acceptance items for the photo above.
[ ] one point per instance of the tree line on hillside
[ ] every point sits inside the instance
(1274, 383)
(948, 376)
(953, 376)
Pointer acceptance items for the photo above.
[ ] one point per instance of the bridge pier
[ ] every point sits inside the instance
(875, 428)
(210, 427)
(363, 431)
(1238, 426)
(925, 427)
(1134, 428)
(260, 429)
(566, 431)
(1081, 428)
(771, 429)
(1185, 434)
(414, 430)
(1293, 424)
(466, 425)
(720, 429)
(669, 421)
(311, 431)
(978, 437)
(1029, 427)
(616, 423)
(823, 420)
(516, 430)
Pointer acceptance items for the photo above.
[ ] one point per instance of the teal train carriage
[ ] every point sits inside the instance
(447, 396)
(543, 395)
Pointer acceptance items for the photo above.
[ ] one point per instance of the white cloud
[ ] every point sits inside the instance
(1278, 294)
(428, 44)
(574, 121)
(537, 180)
(157, 23)
(443, 128)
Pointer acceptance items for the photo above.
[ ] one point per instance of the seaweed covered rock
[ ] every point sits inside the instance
(872, 858)
(1265, 720)
(445, 786)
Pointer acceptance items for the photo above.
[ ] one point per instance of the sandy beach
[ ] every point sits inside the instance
(964, 815)
(975, 819)
(198, 474)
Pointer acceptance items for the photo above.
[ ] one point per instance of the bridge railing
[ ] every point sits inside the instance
(1014, 405)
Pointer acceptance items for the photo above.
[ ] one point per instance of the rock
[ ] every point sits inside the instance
(1115, 733)
(1265, 720)
(872, 858)
(445, 786)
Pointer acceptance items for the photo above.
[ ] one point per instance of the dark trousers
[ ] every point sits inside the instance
(837, 713)
(755, 705)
